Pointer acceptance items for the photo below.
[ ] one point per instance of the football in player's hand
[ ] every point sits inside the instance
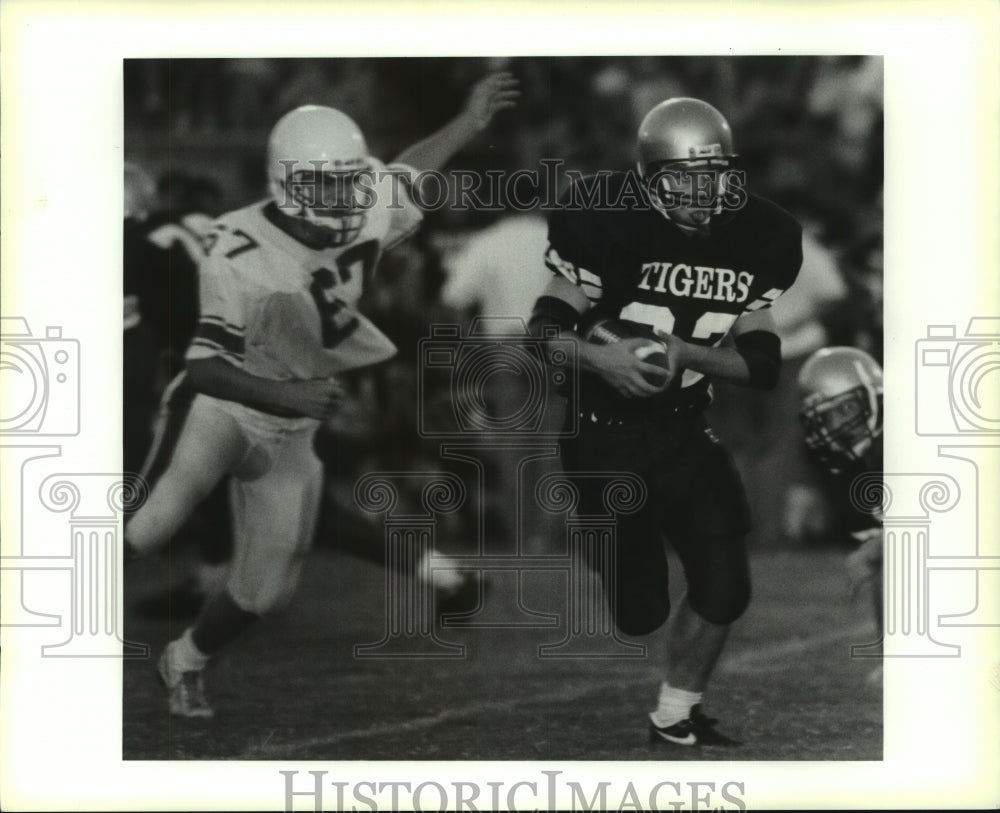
(610, 331)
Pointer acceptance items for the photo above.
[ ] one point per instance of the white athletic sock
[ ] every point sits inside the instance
(187, 656)
(440, 577)
(674, 706)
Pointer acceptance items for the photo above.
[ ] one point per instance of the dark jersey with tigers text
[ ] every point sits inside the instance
(634, 265)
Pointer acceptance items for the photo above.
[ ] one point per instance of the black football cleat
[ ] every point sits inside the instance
(677, 734)
(704, 729)
(697, 729)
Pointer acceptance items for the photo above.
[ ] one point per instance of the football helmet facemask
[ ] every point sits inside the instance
(316, 160)
(842, 406)
(685, 159)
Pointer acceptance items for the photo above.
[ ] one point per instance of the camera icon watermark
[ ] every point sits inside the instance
(496, 381)
(40, 381)
(958, 379)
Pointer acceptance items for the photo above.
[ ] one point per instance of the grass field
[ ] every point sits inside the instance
(293, 689)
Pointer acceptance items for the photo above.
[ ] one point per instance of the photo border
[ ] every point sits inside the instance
(62, 143)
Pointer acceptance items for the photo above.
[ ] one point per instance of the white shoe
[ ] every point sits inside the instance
(186, 690)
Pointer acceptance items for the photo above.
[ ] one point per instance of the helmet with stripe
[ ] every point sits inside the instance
(685, 157)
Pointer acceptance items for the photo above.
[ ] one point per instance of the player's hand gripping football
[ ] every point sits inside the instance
(312, 397)
(490, 95)
(618, 364)
(677, 352)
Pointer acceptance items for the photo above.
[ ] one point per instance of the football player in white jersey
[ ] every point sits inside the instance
(278, 323)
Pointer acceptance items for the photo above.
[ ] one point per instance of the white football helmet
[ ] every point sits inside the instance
(314, 158)
(842, 406)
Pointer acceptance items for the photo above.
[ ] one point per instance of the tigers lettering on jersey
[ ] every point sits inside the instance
(698, 282)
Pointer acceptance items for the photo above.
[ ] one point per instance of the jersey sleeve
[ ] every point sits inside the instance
(222, 321)
(572, 252)
(781, 262)
(405, 215)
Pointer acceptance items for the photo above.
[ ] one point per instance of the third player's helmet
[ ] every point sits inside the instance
(314, 157)
(684, 133)
(842, 406)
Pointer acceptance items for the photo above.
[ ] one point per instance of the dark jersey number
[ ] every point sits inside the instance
(709, 329)
(338, 321)
(358, 260)
(247, 243)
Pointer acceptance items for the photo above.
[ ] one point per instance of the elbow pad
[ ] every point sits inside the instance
(761, 350)
(550, 316)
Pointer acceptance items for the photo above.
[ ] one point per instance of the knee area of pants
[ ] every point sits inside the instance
(264, 604)
(261, 602)
(641, 621)
(721, 608)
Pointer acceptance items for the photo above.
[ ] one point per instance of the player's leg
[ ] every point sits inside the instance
(707, 518)
(274, 521)
(639, 600)
(209, 445)
(274, 525)
(718, 577)
(208, 531)
(635, 578)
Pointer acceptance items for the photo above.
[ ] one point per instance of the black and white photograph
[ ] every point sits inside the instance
(486, 430)
(561, 313)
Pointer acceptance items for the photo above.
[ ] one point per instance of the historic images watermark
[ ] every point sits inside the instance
(544, 790)
(956, 397)
(41, 401)
(705, 184)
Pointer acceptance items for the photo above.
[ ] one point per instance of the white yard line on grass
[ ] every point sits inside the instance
(758, 659)
(770, 658)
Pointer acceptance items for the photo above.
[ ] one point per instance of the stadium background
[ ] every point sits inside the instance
(809, 134)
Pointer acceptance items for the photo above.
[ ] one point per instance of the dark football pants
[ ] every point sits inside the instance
(695, 500)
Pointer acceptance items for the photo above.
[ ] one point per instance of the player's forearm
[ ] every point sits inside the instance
(724, 363)
(437, 149)
(755, 361)
(592, 358)
(220, 379)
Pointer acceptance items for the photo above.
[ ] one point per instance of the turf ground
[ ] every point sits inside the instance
(293, 688)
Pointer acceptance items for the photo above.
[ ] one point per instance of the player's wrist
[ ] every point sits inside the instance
(594, 358)
(280, 396)
(682, 353)
(469, 122)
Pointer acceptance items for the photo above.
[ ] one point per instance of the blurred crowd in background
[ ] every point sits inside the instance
(808, 131)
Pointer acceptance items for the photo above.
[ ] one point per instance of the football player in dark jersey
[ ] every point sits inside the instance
(842, 417)
(683, 250)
